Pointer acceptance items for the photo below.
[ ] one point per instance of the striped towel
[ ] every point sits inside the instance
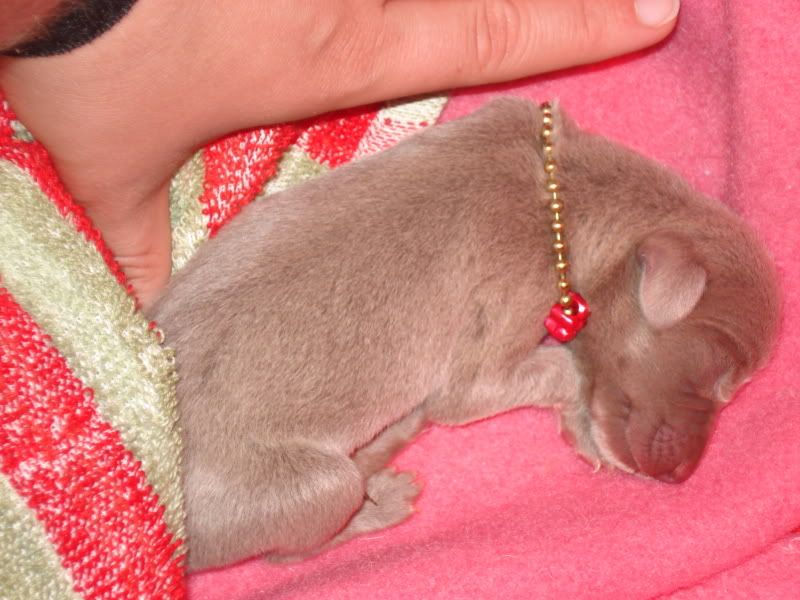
(90, 496)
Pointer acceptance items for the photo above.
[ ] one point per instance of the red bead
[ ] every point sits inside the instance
(564, 327)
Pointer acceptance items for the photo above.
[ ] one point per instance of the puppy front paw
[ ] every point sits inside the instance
(576, 429)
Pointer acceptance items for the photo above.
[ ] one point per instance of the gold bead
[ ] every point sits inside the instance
(556, 206)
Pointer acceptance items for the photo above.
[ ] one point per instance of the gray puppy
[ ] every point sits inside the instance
(327, 325)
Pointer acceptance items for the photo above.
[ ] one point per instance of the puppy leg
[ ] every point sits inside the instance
(389, 501)
(546, 377)
(374, 456)
(280, 499)
(390, 495)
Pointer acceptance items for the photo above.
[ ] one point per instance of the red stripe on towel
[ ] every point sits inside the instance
(72, 469)
(237, 167)
(333, 139)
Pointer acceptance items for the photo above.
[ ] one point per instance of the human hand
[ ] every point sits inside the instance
(121, 114)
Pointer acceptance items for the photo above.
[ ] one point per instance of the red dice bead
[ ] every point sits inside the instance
(564, 327)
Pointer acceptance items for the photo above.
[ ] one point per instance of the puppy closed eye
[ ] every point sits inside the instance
(623, 406)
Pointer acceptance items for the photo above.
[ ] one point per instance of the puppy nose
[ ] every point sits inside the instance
(657, 453)
(670, 455)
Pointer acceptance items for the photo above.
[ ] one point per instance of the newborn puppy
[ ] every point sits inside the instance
(326, 325)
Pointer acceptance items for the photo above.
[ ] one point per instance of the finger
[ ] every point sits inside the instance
(453, 43)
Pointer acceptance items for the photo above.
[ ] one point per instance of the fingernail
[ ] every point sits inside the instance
(655, 13)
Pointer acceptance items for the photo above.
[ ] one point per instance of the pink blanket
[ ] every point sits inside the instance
(508, 510)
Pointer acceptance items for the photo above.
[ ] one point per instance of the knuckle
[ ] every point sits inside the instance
(497, 33)
(343, 54)
(586, 25)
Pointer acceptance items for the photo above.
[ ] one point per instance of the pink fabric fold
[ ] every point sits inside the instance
(508, 510)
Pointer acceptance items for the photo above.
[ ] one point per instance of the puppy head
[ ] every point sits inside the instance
(672, 337)
(684, 308)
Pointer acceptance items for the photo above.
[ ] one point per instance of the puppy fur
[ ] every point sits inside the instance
(325, 326)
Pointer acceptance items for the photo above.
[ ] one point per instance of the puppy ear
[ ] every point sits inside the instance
(672, 280)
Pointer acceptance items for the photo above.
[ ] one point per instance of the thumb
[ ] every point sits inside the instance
(468, 42)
